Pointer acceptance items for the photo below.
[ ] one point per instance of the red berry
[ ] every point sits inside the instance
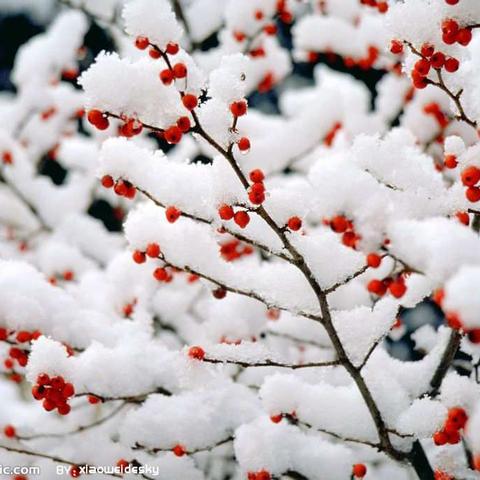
(172, 214)
(92, 399)
(359, 470)
(450, 26)
(154, 53)
(440, 438)
(138, 256)
(458, 416)
(257, 176)
(172, 48)
(75, 472)
(122, 464)
(339, 224)
(382, 7)
(173, 135)
(397, 289)
(43, 379)
(239, 108)
(396, 47)
(142, 43)
(377, 287)
(451, 64)
(64, 409)
(256, 197)
(374, 260)
(179, 70)
(276, 418)
(107, 181)
(473, 194)
(160, 274)
(474, 335)
(120, 188)
(422, 67)
(263, 475)
(98, 119)
(23, 336)
(464, 36)
(7, 157)
(153, 250)
(463, 217)
(427, 50)
(270, 29)
(437, 60)
(450, 161)
(244, 144)
(470, 176)
(179, 450)
(166, 76)
(452, 2)
(453, 437)
(196, 352)
(241, 218)
(184, 124)
(189, 101)
(258, 14)
(68, 275)
(226, 212)
(294, 223)
(3, 334)
(239, 36)
(9, 431)
(219, 293)
(68, 390)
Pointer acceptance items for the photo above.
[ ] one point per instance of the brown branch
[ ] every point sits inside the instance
(139, 446)
(455, 97)
(445, 362)
(273, 363)
(128, 398)
(238, 291)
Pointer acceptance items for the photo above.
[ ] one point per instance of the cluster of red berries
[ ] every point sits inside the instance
(142, 43)
(232, 250)
(452, 33)
(123, 188)
(456, 420)
(54, 392)
(256, 192)
(340, 224)
(470, 177)
(7, 157)
(260, 475)
(17, 354)
(177, 72)
(331, 134)
(173, 134)
(359, 470)
(98, 119)
(241, 217)
(434, 109)
(382, 6)
(366, 62)
(396, 286)
(130, 128)
(152, 250)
